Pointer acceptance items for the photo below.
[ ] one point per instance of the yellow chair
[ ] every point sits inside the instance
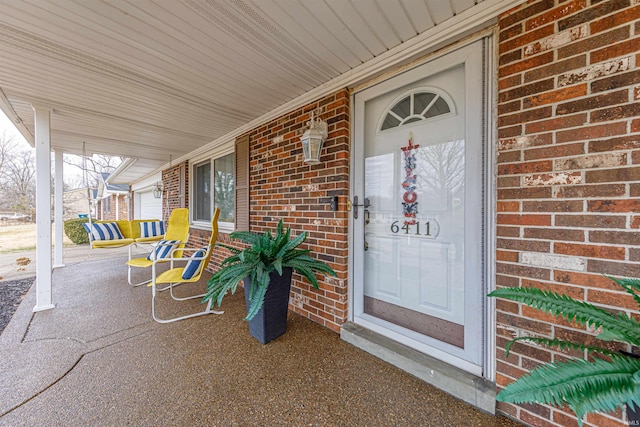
(177, 230)
(190, 273)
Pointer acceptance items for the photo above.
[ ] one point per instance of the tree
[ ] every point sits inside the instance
(17, 175)
(95, 166)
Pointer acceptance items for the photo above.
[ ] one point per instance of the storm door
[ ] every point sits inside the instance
(418, 208)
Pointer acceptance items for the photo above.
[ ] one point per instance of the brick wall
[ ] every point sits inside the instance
(283, 186)
(171, 188)
(568, 172)
(122, 207)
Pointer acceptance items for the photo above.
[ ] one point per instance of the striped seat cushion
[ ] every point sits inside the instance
(103, 231)
(193, 265)
(151, 228)
(163, 249)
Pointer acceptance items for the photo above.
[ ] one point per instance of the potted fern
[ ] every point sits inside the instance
(602, 383)
(266, 268)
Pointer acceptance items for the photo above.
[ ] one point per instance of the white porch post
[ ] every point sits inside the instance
(43, 209)
(59, 207)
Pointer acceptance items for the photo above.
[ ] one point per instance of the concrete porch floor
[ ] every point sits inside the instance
(99, 359)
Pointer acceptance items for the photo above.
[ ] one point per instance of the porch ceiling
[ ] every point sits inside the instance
(150, 79)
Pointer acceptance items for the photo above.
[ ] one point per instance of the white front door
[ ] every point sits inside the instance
(418, 208)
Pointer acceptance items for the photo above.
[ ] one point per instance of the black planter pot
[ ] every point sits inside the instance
(633, 417)
(271, 320)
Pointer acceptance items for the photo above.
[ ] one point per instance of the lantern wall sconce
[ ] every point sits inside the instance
(313, 139)
(157, 190)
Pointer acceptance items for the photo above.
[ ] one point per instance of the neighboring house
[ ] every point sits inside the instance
(504, 153)
(75, 203)
(113, 200)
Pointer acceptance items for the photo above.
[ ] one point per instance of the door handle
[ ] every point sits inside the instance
(354, 205)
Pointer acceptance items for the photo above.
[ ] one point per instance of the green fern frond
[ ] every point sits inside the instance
(632, 286)
(582, 385)
(256, 300)
(620, 327)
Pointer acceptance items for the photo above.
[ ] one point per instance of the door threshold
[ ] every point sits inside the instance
(476, 391)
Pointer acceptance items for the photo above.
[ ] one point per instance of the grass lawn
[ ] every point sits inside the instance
(22, 237)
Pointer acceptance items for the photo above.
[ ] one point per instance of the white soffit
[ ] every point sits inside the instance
(154, 80)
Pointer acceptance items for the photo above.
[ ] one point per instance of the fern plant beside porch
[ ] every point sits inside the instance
(602, 383)
(265, 267)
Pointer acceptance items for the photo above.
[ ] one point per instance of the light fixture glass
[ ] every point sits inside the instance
(157, 190)
(313, 139)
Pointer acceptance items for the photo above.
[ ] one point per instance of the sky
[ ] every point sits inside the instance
(71, 174)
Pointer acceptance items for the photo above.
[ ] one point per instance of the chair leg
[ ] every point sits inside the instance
(171, 285)
(135, 284)
(208, 310)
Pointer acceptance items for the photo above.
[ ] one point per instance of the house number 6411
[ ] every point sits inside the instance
(424, 229)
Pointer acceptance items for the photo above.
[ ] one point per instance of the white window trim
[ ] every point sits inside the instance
(226, 149)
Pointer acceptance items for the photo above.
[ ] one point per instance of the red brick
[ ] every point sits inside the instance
(594, 190)
(555, 233)
(613, 175)
(565, 420)
(614, 268)
(509, 156)
(554, 151)
(612, 299)
(586, 45)
(510, 131)
(627, 205)
(627, 47)
(555, 68)
(614, 113)
(603, 420)
(512, 219)
(591, 132)
(590, 251)
(507, 256)
(528, 167)
(514, 55)
(616, 81)
(526, 64)
(526, 90)
(506, 34)
(555, 14)
(524, 116)
(502, 231)
(576, 292)
(592, 13)
(555, 96)
(558, 123)
(508, 206)
(527, 38)
(630, 142)
(523, 245)
(591, 221)
(518, 14)
(511, 81)
(553, 206)
(524, 193)
(508, 181)
(522, 271)
(631, 237)
(585, 280)
(593, 102)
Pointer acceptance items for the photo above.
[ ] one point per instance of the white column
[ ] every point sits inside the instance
(117, 207)
(43, 209)
(59, 207)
